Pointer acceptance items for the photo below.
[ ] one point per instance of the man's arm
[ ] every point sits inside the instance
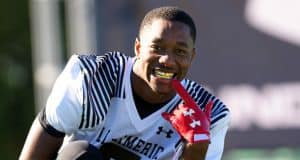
(39, 144)
(196, 151)
(61, 114)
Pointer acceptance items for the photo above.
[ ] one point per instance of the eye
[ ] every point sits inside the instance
(156, 48)
(180, 52)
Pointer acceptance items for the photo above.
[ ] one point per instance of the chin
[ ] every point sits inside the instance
(162, 90)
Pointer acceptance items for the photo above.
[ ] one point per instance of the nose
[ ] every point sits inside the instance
(167, 60)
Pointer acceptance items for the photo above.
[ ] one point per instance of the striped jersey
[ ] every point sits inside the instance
(92, 100)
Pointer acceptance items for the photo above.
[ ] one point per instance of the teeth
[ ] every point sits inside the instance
(164, 75)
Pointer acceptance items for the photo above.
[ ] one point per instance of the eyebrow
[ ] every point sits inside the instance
(160, 40)
(182, 44)
(157, 40)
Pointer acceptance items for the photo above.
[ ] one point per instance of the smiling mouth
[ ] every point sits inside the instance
(163, 75)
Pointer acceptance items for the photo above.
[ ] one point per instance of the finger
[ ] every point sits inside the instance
(183, 93)
(166, 115)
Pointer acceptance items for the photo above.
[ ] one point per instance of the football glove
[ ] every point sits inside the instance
(188, 119)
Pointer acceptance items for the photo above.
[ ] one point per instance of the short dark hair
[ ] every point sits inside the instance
(172, 14)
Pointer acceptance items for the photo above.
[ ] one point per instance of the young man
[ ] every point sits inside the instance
(111, 106)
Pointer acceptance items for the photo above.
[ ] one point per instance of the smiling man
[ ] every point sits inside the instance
(119, 107)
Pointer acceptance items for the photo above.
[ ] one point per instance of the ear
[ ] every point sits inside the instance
(137, 47)
(193, 54)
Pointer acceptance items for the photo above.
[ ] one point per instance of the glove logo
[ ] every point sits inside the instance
(195, 123)
(189, 112)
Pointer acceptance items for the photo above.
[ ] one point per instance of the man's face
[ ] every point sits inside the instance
(164, 51)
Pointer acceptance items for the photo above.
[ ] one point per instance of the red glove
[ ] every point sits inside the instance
(188, 119)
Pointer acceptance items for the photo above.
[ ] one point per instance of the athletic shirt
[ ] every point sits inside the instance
(92, 100)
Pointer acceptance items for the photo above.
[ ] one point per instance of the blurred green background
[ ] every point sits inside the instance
(16, 93)
(258, 154)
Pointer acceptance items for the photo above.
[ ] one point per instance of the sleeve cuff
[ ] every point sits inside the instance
(47, 127)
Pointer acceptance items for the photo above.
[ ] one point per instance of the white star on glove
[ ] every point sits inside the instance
(189, 112)
(195, 123)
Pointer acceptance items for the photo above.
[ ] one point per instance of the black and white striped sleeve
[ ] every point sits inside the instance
(103, 78)
(81, 94)
(63, 108)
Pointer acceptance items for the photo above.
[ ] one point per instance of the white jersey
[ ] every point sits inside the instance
(92, 100)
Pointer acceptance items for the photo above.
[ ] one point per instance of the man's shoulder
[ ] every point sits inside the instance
(112, 59)
(106, 55)
(202, 95)
(195, 87)
(192, 86)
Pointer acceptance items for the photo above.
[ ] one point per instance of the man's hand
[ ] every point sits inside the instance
(188, 119)
(191, 123)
